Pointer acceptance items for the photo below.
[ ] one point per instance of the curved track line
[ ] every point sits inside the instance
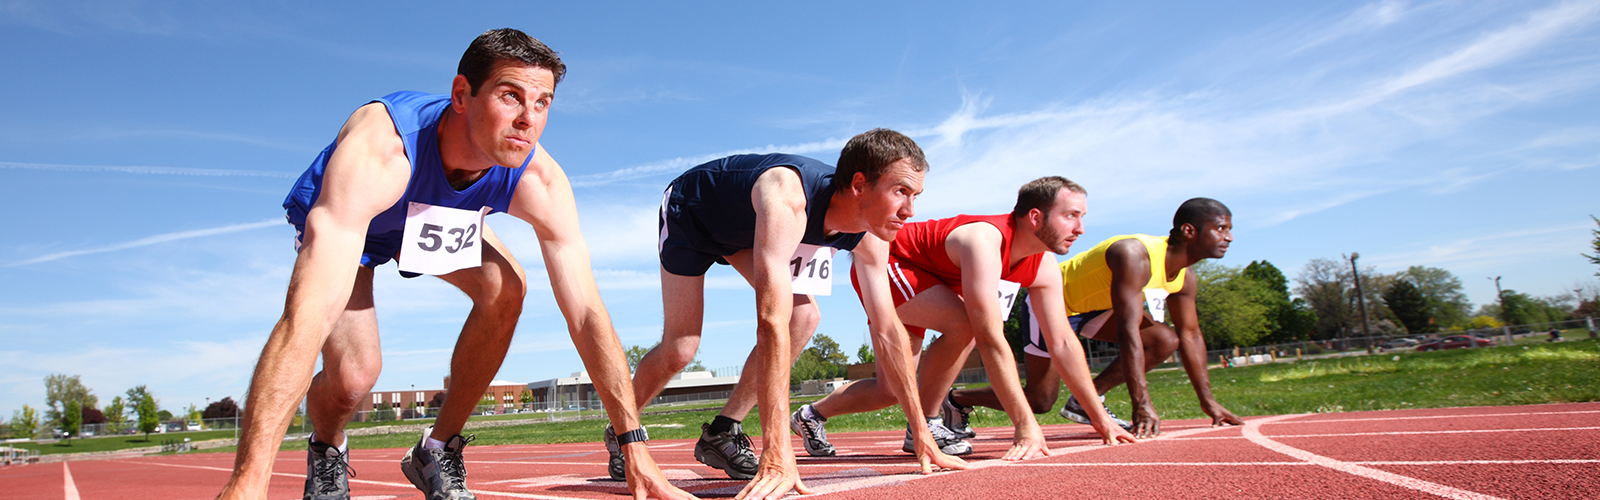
(1421, 417)
(71, 487)
(1252, 431)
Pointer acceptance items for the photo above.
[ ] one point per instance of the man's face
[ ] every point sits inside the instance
(886, 205)
(1064, 222)
(1215, 236)
(507, 116)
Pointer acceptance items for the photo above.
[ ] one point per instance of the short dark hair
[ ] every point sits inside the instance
(871, 153)
(1197, 212)
(1041, 194)
(504, 45)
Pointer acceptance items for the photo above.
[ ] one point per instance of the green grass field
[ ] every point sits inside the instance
(114, 443)
(1512, 375)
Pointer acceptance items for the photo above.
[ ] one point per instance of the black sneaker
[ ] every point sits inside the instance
(955, 417)
(729, 451)
(1074, 411)
(327, 473)
(439, 473)
(618, 466)
(947, 441)
(812, 431)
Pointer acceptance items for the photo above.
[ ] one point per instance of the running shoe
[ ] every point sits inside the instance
(956, 417)
(618, 466)
(439, 472)
(812, 431)
(1074, 411)
(729, 451)
(947, 441)
(327, 473)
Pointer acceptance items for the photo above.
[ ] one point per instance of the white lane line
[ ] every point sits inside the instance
(1252, 431)
(478, 492)
(1407, 433)
(1427, 417)
(1279, 464)
(71, 487)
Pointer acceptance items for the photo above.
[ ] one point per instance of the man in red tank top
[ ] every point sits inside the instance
(934, 268)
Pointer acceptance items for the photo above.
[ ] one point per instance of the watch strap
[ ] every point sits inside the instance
(634, 436)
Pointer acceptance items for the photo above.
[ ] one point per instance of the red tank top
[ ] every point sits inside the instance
(921, 244)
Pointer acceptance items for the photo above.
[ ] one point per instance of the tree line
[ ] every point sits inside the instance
(69, 405)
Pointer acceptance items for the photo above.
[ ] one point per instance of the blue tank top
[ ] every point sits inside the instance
(416, 117)
(716, 195)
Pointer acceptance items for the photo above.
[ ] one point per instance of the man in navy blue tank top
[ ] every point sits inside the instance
(776, 219)
(410, 176)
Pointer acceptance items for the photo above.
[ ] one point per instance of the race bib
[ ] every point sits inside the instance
(439, 240)
(1156, 300)
(1008, 297)
(812, 270)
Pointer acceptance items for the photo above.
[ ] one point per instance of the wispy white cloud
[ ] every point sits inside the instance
(1481, 252)
(152, 240)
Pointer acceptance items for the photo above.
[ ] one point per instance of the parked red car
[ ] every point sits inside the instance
(1454, 342)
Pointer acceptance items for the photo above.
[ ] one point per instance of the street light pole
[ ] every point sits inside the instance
(1505, 316)
(1361, 298)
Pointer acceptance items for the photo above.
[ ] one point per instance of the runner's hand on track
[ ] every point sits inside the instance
(1145, 422)
(776, 475)
(1220, 416)
(1027, 443)
(645, 479)
(930, 457)
(1113, 434)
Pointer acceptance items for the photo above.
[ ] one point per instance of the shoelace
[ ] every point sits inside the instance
(961, 416)
(814, 430)
(451, 468)
(942, 435)
(328, 471)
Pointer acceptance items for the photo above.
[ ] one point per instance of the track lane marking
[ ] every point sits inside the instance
(1424, 417)
(1252, 431)
(71, 487)
(1407, 433)
(1556, 461)
(407, 486)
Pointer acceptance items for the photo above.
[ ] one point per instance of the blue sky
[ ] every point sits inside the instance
(146, 147)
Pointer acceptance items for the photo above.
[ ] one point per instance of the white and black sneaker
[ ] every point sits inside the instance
(729, 451)
(327, 473)
(438, 472)
(812, 431)
(956, 417)
(617, 466)
(947, 441)
(1074, 411)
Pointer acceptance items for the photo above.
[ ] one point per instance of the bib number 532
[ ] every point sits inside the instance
(439, 240)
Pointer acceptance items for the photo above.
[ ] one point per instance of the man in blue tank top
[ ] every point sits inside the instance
(410, 176)
(776, 219)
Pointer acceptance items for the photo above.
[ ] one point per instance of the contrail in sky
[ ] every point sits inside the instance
(152, 240)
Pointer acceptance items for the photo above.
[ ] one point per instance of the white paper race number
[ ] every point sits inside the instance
(1156, 300)
(1008, 297)
(439, 240)
(812, 270)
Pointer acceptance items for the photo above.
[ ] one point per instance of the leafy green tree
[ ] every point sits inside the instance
(864, 354)
(60, 388)
(24, 422)
(1447, 299)
(1409, 306)
(71, 418)
(1323, 285)
(1232, 308)
(828, 351)
(116, 414)
(635, 354)
(1595, 258)
(149, 414)
(1288, 318)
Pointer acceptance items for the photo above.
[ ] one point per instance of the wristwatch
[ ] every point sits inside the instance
(634, 436)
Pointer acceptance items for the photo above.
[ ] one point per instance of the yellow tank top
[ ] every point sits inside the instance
(1087, 279)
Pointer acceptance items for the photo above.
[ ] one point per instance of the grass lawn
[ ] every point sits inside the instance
(113, 443)
(1511, 375)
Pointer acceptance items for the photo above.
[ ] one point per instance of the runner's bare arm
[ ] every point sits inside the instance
(780, 204)
(367, 173)
(892, 347)
(1192, 347)
(1066, 353)
(544, 199)
(975, 248)
(1130, 271)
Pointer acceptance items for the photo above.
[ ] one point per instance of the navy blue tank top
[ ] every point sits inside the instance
(416, 117)
(716, 195)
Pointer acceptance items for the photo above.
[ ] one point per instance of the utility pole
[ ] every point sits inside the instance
(1361, 299)
(1505, 316)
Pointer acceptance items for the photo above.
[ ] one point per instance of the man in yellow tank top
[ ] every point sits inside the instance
(1119, 291)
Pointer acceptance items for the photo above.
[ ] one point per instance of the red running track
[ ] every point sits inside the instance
(1541, 451)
